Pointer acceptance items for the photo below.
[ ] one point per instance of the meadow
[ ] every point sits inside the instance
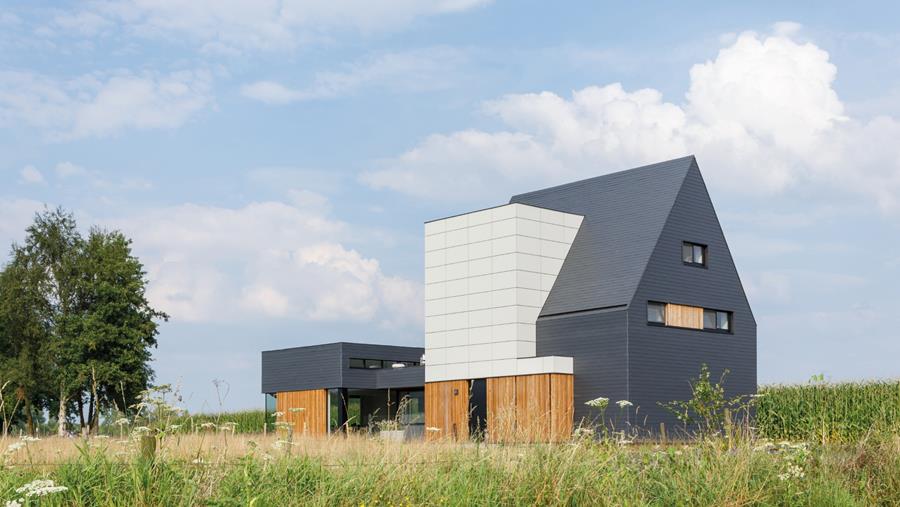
(831, 461)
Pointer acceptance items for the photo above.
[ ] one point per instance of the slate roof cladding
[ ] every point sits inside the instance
(625, 212)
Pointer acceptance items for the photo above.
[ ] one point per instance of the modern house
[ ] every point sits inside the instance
(618, 286)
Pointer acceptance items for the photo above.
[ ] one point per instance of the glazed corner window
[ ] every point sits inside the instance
(656, 313)
(693, 253)
(717, 320)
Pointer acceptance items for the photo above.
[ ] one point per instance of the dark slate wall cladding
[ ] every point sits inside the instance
(366, 379)
(328, 366)
(624, 214)
(411, 376)
(662, 360)
(596, 342)
(301, 368)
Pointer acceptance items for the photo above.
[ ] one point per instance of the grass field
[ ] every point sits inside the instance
(816, 444)
(224, 469)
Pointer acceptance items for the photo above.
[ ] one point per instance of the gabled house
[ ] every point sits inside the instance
(619, 286)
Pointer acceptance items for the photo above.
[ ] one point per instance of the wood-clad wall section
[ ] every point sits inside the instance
(562, 406)
(529, 408)
(305, 411)
(447, 410)
(684, 316)
(501, 408)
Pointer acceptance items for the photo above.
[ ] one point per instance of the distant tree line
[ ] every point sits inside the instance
(76, 329)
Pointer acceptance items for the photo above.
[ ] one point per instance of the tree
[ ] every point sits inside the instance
(117, 327)
(24, 334)
(74, 317)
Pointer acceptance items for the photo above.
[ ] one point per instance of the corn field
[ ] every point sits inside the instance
(827, 412)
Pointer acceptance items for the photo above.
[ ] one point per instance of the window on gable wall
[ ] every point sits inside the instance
(693, 253)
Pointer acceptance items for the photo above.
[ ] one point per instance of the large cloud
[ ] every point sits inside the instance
(266, 259)
(240, 25)
(94, 105)
(762, 116)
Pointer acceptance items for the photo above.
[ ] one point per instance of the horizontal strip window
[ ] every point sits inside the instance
(377, 364)
(689, 317)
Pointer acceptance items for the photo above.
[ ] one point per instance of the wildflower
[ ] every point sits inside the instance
(208, 425)
(432, 429)
(13, 503)
(793, 472)
(600, 402)
(583, 432)
(40, 487)
(198, 461)
(15, 446)
(296, 409)
(624, 403)
(29, 438)
(174, 427)
(141, 429)
(122, 421)
(278, 414)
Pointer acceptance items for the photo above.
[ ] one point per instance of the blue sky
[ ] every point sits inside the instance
(274, 161)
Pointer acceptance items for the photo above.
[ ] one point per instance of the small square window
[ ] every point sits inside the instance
(717, 320)
(693, 254)
(656, 313)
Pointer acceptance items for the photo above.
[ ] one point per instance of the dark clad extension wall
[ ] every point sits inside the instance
(596, 342)
(662, 359)
(328, 366)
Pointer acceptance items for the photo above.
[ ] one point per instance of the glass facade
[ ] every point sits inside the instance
(271, 404)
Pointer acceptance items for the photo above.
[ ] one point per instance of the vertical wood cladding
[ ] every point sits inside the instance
(305, 411)
(562, 409)
(530, 408)
(684, 316)
(447, 410)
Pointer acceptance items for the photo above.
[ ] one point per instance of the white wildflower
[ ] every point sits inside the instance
(40, 487)
(174, 427)
(141, 429)
(278, 414)
(432, 429)
(122, 421)
(29, 438)
(600, 402)
(624, 403)
(793, 472)
(13, 503)
(15, 446)
(208, 425)
(296, 409)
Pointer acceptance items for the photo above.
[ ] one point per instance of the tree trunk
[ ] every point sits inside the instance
(81, 413)
(61, 415)
(90, 417)
(29, 420)
(95, 405)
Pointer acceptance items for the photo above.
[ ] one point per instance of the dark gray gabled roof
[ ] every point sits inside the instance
(624, 214)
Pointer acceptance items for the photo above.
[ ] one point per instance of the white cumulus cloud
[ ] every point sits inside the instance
(98, 106)
(239, 25)
(415, 70)
(762, 116)
(32, 175)
(263, 260)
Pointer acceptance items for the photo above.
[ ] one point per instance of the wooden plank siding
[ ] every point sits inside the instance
(562, 406)
(530, 408)
(447, 410)
(305, 411)
(684, 316)
(501, 408)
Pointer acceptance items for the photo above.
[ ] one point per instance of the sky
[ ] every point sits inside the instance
(273, 161)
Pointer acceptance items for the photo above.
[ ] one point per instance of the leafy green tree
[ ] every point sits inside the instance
(24, 335)
(116, 328)
(76, 329)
